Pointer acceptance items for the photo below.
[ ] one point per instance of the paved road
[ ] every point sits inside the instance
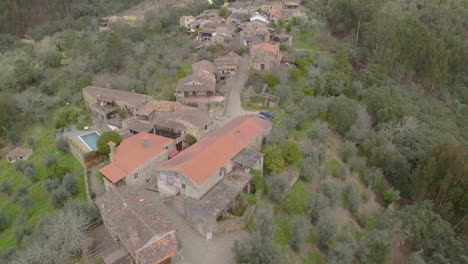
(236, 85)
(194, 248)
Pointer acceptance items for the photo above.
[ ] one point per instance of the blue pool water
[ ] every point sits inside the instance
(91, 140)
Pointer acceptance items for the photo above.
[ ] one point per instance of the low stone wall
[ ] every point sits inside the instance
(238, 223)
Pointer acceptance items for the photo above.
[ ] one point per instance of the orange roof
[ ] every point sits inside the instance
(202, 159)
(265, 46)
(132, 153)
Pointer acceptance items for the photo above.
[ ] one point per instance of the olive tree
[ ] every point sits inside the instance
(263, 221)
(326, 228)
(316, 204)
(277, 187)
(298, 230)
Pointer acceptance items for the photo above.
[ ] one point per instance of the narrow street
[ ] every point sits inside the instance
(236, 86)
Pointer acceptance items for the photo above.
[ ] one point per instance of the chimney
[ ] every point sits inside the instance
(146, 143)
(238, 133)
(111, 145)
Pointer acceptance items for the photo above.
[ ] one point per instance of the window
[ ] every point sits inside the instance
(183, 186)
(135, 176)
(262, 67)
(170, 181)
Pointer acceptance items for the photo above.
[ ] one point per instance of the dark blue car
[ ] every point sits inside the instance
(266, 115)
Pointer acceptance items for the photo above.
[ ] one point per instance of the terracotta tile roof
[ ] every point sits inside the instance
(132, 153)
(202, 159)
(147, 236)
(161, 106)
(19, 152)
(134, 99)
(266, 47)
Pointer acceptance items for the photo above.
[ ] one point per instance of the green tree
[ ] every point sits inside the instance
(277, 187)
(342, 114)
(326, 228)
(57, 172)
(263, 221)
(298, 230)
(290, 151)
(274, 161)
(9, 113)
(271, 79)
(223, 12)
(22, 229)
(316, 204)
(58, 197)
(3, 221)
(5, 187)
(442, 177)
(256, 250)
(70, 184)
(385, 104)
(105, 138)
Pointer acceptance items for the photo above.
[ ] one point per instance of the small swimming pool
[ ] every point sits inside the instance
(90, 140)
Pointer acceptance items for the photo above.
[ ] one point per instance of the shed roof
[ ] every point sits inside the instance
(194, 82)
(204, 158)
(19, 152)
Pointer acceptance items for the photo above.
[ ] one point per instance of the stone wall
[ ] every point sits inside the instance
(239, 223)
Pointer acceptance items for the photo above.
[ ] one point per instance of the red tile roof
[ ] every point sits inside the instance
(208, 155)
(265, 46)
(132, 153)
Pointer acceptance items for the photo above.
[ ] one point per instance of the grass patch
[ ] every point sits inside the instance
(313, 258)
(281, 236)
(304, 132)
(296, 200)
(44, 145)
(256, 105)
(333, 167)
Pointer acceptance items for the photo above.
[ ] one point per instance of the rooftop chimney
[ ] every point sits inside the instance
(146, 143)
(238, 133)
(111, 145)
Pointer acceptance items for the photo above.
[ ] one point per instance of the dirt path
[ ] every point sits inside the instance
(236, 85)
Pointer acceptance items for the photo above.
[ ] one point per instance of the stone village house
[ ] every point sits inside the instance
(170, 119)
(206, 179)
(265, 57)
(145, 235)
(105, 103)
(133, 161)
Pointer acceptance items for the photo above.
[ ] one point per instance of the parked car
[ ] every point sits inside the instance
(268, 115)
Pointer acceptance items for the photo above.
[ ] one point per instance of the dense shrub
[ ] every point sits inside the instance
(30, 174)
(273, 160)
(290, 151)
(105, 138)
